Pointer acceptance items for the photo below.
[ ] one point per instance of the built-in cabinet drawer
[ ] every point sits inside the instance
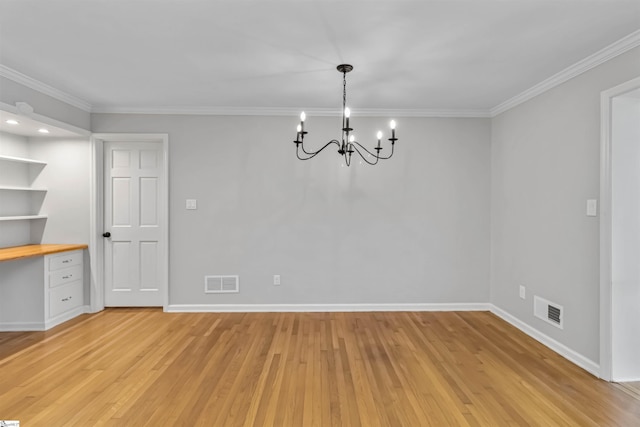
(65, 298)
(66, 275)
(64, 260)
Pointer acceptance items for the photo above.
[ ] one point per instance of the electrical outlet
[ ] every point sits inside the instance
(276, 280)
(522, 292)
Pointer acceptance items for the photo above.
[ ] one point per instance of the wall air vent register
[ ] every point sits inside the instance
(548, 311)
(221, 284)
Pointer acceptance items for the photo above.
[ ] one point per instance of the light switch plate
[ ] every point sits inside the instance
(192, 204)
(592, 207)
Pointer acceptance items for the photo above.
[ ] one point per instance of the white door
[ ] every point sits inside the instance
(133, 224)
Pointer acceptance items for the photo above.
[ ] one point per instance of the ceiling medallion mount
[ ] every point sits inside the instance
(344, 68)
(348, 144)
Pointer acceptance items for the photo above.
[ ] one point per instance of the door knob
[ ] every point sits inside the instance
(107, 234)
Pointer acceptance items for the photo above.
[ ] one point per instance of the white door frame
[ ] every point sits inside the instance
(606, 278)
(96, 246)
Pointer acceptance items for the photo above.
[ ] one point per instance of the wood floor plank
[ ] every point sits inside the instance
(139, 367)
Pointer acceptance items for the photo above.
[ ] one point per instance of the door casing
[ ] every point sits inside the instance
(606, 278)
(96, 247)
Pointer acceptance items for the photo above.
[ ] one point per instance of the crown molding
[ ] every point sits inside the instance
(453, 113)
(288, 111)
(44, 88)
(617, 48)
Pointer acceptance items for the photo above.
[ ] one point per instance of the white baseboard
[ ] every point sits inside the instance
(67, 316)
(625, 379)
(564, 351)
(276, 308)
(21, 326)
(43, 326)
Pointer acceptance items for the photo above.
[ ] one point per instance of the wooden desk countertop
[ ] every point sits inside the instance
(17, 252)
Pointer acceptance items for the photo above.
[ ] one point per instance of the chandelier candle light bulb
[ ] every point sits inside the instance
(347, 113)
(347, 144)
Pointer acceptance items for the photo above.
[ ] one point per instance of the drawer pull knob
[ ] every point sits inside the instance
(68, 277)
(66, 299)
(66, 261)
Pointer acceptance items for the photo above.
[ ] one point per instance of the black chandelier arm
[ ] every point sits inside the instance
(364, 148)
(378, 156)
(313, 154)
(363, 157)
(389, 156)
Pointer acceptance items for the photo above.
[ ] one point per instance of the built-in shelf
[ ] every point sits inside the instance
(22, 217)
(22, 190)
(22, 160)
(14, 188)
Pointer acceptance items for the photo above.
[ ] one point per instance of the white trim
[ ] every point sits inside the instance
(66, 316)
(621, 46)
(564, 351)
(627, 379)
(43, 326)
(97, 212)
(295, 308)
(96, 286)
(21, 326)
(45, 120)
(44, 88)
(606, 278)
(291, 111)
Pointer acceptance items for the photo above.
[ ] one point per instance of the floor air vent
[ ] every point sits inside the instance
(221, 284)
(548, 311)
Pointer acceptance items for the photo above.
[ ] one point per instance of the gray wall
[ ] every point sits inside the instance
(67, 178)
(414, 229)
(545, 165)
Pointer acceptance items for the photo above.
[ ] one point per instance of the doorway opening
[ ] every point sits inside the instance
(620, 234)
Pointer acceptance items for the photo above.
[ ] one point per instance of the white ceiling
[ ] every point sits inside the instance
(418, 55)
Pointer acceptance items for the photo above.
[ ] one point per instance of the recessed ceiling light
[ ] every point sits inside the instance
(12, 122)
(43, 130)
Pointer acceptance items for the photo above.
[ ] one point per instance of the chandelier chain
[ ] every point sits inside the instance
(344, 91)
(344, 101)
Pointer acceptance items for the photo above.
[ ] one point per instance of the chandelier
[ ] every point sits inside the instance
(348, 144)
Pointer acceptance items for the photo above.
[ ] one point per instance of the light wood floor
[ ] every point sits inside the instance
(631, 388)
(143, 367)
